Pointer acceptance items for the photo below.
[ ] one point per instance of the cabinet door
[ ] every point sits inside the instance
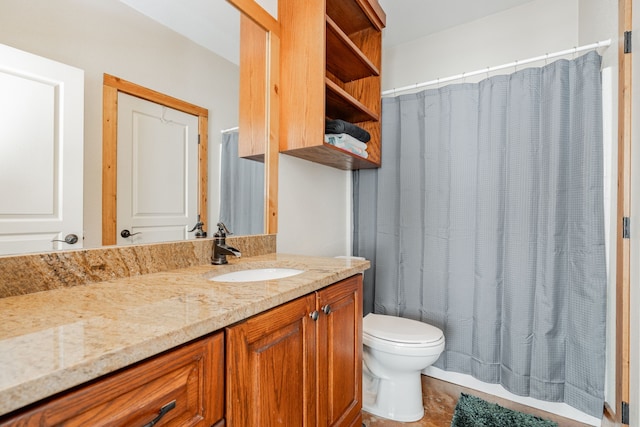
(340, 353)
(188, 382)
(271, 368)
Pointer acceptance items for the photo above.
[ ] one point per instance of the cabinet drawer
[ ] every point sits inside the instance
(191, 377)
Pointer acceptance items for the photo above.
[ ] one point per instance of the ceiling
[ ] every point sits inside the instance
(214, 24)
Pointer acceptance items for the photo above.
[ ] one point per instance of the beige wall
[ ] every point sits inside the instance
(105, 36)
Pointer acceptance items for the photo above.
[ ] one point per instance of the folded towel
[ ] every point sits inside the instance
(331, 139)
(340, 126)
(345, 138)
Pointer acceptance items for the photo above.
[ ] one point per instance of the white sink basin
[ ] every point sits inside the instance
(256, 275)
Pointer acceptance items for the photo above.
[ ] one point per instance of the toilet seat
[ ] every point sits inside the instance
(401, 331)
(406, 349)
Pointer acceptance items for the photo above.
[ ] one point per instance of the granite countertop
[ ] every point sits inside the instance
(53, 340)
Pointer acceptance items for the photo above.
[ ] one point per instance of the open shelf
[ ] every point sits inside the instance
(341, 105)
(330, 155)
(344, 59)
(356, 15)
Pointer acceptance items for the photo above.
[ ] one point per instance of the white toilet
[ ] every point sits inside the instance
(395, 352)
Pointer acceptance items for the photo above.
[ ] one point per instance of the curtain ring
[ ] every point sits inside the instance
(546, 59)
(464, 77)
(515, 67)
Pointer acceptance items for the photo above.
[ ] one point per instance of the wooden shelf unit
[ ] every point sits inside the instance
(335, 76)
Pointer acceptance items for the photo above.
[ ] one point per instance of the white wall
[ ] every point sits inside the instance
(314, 208)
(105, 36)
(535, 28)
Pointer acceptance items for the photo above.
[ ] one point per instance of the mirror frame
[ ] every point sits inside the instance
(269, 106)
(111, 86)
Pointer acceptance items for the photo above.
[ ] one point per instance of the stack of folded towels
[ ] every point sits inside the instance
(347, 136)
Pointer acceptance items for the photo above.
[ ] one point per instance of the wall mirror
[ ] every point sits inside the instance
(111, 37)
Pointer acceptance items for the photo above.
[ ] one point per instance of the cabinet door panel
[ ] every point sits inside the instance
(340, 353)
(271, 368)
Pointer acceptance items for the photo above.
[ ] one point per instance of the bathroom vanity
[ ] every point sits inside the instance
(163, 345)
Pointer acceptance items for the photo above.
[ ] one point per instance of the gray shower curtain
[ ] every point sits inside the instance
(241, 190)
(486, 220)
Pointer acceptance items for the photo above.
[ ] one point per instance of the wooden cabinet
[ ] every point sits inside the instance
(187, 382)
(299, 364)
(339, 348)
(270, 364)
(330, 68)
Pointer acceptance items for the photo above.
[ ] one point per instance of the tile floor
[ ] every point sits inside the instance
(440, 398)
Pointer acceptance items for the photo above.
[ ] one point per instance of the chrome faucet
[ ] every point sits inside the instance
(220, 248)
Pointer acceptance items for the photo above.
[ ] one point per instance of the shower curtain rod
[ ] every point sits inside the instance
(229, 130)
(603, 43)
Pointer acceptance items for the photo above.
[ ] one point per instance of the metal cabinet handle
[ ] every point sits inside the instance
(163, 411)
(314, 315)
(326, 309)
(126, 233)
(69, 239)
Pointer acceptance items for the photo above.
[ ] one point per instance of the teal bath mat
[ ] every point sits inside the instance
(471, 411)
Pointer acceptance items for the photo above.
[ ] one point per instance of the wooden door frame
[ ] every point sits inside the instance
(111, 86)
(613, 416)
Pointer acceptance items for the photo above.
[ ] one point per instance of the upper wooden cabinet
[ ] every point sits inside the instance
(330, 68)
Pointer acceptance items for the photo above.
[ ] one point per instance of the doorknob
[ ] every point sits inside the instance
(69, 239)
(126, 233)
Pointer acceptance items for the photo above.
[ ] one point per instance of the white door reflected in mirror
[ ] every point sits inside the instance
(41, 129)
(157, 172)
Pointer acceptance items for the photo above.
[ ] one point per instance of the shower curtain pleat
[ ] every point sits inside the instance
(489, 224)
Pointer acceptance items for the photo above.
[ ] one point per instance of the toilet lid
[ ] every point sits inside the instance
(399, 329)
